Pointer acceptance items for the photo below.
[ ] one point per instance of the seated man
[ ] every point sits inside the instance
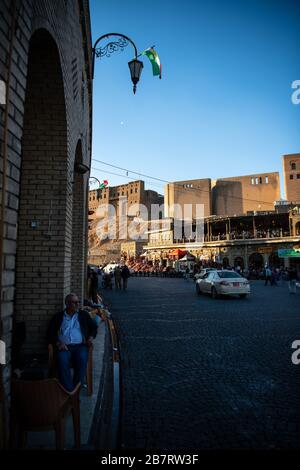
(71, 331)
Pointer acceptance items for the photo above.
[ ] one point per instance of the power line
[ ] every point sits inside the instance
(123, 176)
(168, 182)
(129, 171)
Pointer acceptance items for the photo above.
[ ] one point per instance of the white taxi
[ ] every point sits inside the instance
(223, 282)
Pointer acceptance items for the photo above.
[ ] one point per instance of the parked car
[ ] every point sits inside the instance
(223, 282)
(203, 272)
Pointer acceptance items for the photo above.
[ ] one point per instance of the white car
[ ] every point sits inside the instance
(110, 267)
(203, 272)
(223, 282)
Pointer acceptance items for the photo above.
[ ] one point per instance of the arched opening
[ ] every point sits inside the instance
(239, 261)
(225, 262)
(297, 228)
(44, 235)
(256, 261)
(79, 226)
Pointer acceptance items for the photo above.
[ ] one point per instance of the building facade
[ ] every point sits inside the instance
(238, 195)
(291, 174)
(231, 196)
(247, 241)
(45, 120)
(181, 193)
(113, 213)
(134, 193)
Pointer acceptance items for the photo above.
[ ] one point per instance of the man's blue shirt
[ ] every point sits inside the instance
(70, 331)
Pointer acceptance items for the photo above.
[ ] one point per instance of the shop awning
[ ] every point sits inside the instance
(188, 257)
(177, 252)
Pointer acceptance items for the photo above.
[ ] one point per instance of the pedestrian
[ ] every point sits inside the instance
(118, 277)
(273, 277)
(94, 286)
(100, 277)
(292, 278)
(125, 273)
(71, 332)
(268, 275)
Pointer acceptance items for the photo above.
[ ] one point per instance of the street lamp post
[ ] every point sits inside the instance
(135, 65)
(99, 188)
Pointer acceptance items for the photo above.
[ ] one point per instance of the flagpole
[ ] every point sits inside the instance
(152, 47)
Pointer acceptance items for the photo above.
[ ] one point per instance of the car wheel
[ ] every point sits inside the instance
(243, 296)
(214, 293)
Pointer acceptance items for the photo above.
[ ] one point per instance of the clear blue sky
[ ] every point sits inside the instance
(223, 106)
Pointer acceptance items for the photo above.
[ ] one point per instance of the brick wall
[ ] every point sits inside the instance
(49, 113)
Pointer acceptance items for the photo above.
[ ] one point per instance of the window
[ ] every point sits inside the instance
(226, 274)
(256, 180)
(266, 179)
(298, 176)
(210, 276)
(291, 177)
(260, 180)
(293, 166)
(136, 190)
(252, 180)
(131, 191)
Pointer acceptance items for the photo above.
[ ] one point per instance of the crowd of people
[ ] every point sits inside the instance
(118, 276)
(101, 278)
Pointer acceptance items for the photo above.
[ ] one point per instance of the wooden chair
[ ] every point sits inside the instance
(89, 369)
(41, 405)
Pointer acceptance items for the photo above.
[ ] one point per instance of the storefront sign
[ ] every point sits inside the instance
(289, 253)
(265, 249)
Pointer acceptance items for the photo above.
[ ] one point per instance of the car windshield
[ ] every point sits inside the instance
(226, 274)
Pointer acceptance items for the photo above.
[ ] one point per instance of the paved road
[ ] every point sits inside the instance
(207, 374)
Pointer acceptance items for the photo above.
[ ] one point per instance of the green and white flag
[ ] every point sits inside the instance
(154, 59)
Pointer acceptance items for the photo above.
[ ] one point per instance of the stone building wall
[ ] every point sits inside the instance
(239, 194)
(291, 175)
(197, 191)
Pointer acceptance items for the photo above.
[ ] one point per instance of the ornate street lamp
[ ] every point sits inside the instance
(101, 185)
(98, 189)
(135, 65)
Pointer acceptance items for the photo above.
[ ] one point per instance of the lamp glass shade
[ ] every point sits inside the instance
(135, 67)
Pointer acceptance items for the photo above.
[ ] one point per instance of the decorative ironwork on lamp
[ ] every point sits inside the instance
(135, 65)
(99, 188)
